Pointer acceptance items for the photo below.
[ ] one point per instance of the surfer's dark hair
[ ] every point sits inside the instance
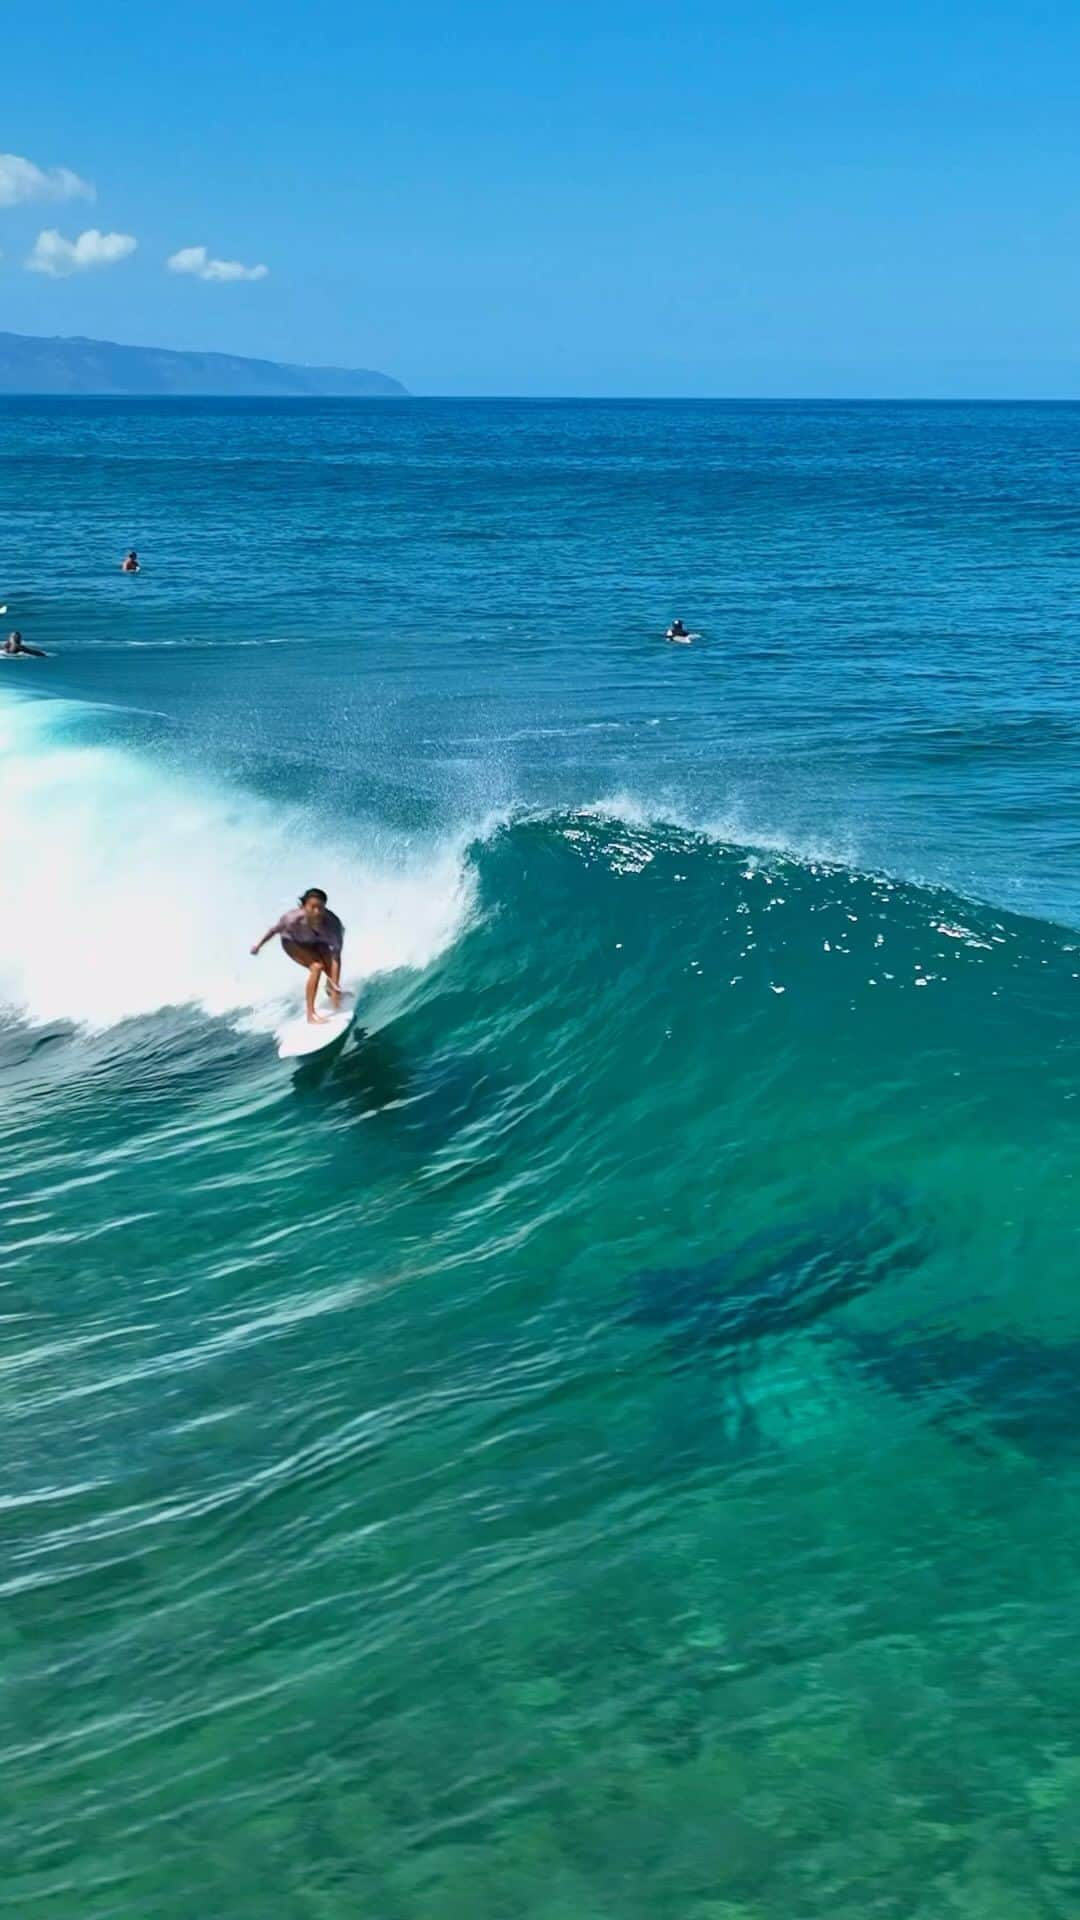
(312, 893)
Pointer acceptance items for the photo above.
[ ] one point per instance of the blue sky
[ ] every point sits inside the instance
(773, 198)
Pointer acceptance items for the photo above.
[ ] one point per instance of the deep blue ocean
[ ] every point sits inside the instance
(603, 1443)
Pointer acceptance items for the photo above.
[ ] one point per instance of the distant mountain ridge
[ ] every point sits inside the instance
(33, 365)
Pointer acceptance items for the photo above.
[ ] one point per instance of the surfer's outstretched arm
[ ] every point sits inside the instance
(268, 935)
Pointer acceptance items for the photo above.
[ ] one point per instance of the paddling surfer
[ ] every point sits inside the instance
(312, 936)
(15, 644)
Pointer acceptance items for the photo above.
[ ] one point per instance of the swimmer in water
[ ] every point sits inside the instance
(312, 936)
(676, 631)
(15, 644)
(131, 564)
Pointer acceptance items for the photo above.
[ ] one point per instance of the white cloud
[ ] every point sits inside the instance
(21, 180)
(197, 260)
(59, 257)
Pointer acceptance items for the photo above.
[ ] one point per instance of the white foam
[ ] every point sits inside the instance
(130, 887)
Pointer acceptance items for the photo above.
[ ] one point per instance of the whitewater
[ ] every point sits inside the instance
(155, 878)
(603, 1441)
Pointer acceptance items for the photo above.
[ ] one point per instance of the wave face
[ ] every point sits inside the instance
(603, 1441)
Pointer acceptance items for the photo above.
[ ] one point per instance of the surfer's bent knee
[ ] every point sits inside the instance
(307, 956)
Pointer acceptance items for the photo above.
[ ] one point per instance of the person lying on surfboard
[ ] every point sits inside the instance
(312, 936)
(16, 644)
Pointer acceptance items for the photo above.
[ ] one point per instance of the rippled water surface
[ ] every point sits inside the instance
(603, 1443)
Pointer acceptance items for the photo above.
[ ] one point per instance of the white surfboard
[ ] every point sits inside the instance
(297, 1038)
(681, 639)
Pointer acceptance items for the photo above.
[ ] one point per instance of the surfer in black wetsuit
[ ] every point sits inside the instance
(676, 631)
(15, 644)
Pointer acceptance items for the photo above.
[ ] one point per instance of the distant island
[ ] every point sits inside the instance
(30, 365)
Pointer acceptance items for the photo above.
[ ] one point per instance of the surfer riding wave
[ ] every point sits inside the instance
(312, 936)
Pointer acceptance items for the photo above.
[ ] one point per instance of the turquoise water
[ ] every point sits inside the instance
(605, 1442)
